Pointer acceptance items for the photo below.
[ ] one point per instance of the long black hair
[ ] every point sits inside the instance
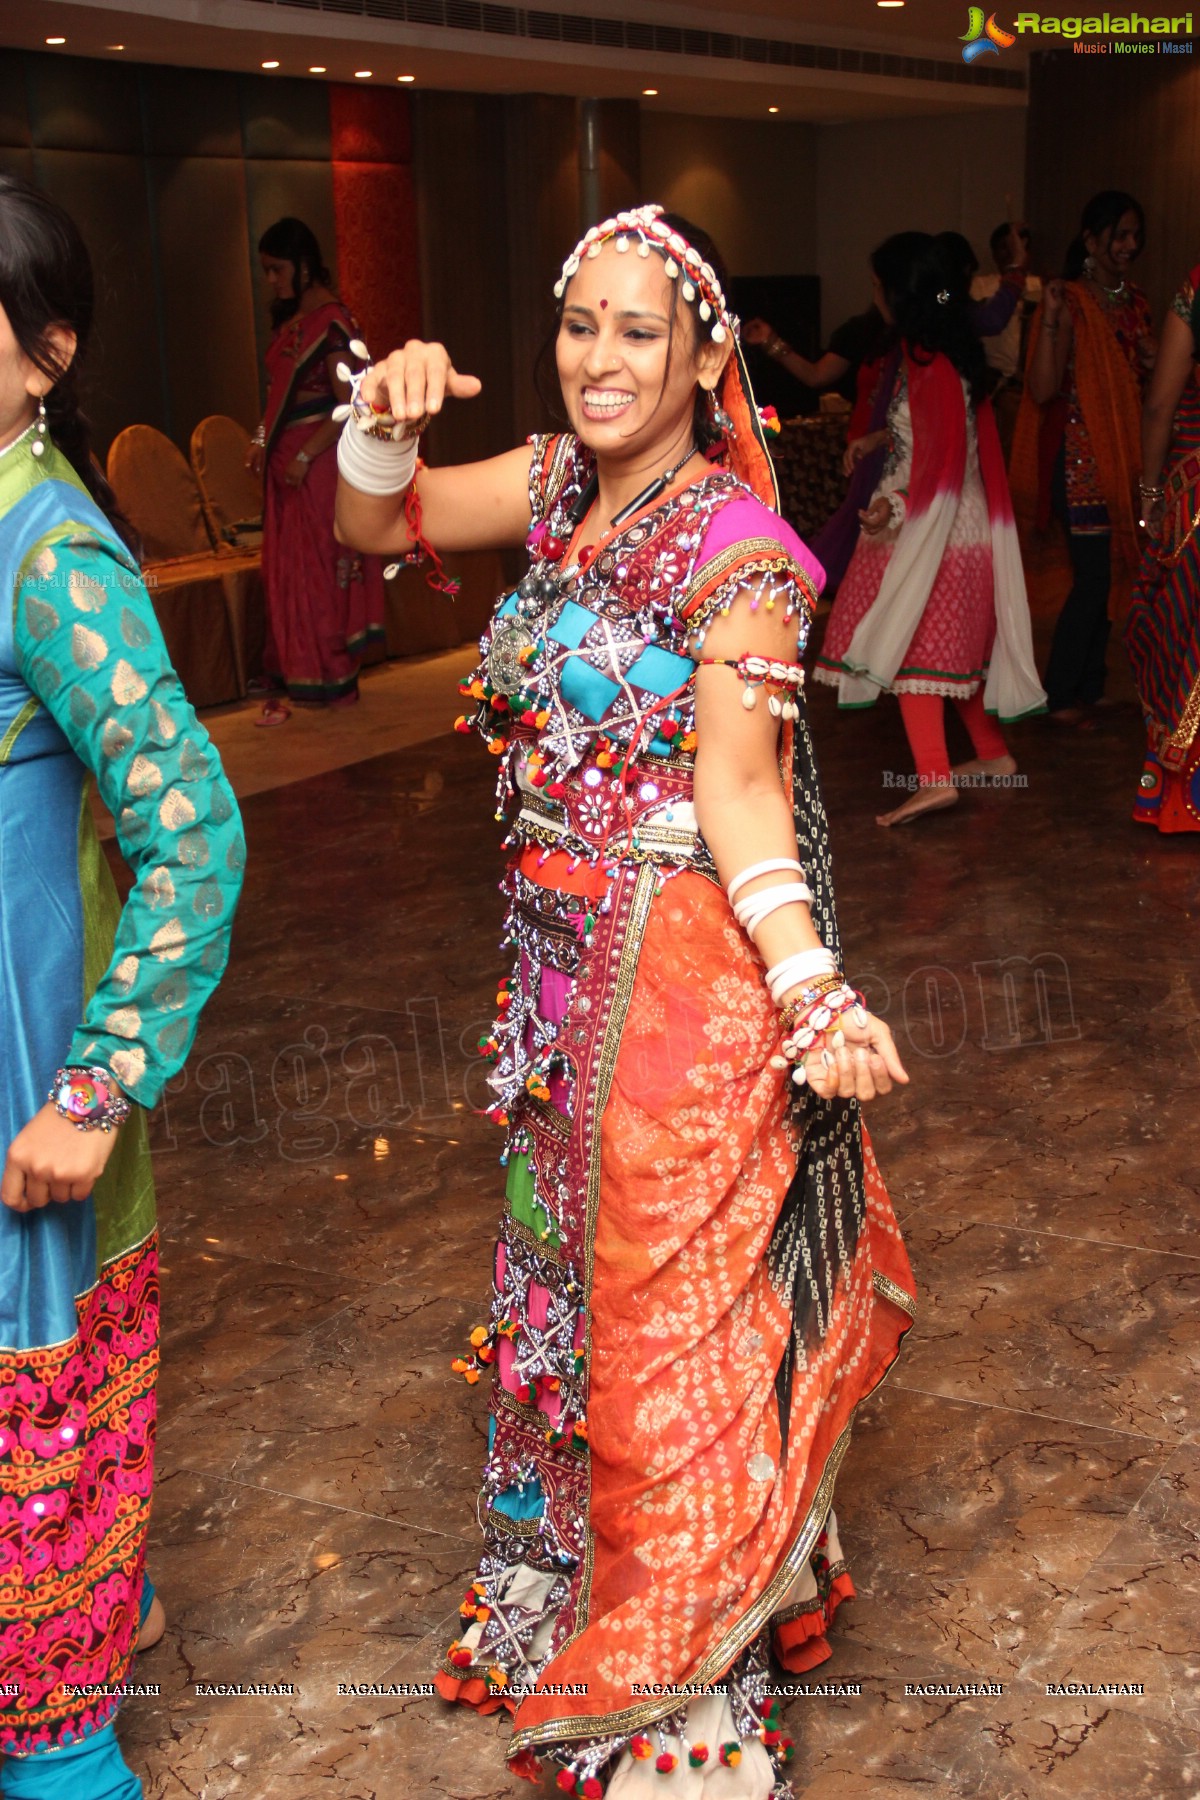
(926, 289)
(46, 280)
(291, 240)
(1103, 212)
(706, 433)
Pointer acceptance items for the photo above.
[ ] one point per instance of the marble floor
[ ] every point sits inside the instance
(1021, 1504)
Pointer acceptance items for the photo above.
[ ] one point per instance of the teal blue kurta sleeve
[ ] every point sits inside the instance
(90, 649)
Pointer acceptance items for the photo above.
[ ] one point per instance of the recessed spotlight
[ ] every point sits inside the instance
(56, 40)
(362, 74)
(316, 68)
(650, 92)
(406, 78)
(114, 46)
(886, 3)
(270, 65)
(772, 109)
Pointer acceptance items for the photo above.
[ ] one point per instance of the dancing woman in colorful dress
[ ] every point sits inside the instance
(933, 605)
(1076, 454)
(698, 1276)
(98, 1006)
(1162, 634)
(325, 606)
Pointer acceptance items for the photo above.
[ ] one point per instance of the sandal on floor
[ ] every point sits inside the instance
(274, 712)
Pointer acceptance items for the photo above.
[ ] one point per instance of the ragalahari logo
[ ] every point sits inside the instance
(983, 37)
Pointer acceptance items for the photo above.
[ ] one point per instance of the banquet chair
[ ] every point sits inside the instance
(208, 599)
(232, 497)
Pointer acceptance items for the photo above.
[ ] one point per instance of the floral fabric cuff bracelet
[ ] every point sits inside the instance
(88, 1096)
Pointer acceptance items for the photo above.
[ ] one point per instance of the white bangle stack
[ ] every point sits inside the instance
(751, 911)
(375, 465)
(377, 453)
(807, 965)
(771, 867)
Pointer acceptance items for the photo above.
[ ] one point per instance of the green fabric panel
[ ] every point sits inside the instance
(124, 1194)
(191, 112)
(8, 741)
(521, 1193)
(286, 118)
(14, 104)
(83, 103)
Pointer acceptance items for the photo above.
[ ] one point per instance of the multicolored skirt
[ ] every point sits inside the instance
(1162, 636)
(646, 1529)
(76, 1473)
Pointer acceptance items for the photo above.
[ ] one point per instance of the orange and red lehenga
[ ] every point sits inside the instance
(699, 1275)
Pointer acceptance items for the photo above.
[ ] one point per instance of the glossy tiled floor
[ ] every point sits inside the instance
(1022, 1502)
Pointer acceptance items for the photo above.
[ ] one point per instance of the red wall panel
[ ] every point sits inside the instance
(375, 211)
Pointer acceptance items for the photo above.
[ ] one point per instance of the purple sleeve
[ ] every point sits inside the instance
(989, 317)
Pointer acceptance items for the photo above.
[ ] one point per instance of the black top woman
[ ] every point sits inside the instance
(699, 1275)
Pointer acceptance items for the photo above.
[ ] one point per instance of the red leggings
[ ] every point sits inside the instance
(925, 726)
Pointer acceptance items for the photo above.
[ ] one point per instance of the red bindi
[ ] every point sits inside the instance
(603, 304)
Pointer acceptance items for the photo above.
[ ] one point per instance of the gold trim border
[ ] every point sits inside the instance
(888, 1290)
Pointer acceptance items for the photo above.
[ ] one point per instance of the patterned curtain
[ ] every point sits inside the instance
(375, 210)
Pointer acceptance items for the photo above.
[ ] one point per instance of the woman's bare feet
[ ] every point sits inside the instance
(934, 798)
(154, 1626)
(986, 765)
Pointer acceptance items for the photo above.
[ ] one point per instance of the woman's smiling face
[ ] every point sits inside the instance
(628, 380)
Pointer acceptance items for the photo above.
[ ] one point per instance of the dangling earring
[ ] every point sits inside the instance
(38, 445)
(720, 418)
(1089, 267)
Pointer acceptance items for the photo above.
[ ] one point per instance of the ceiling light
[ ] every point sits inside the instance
(406, 78)
(772, 109)
(362, 74)
(650, 92)
(889, 2)
(114, 46)
(316, 68)
(56, 40)
(270, 65)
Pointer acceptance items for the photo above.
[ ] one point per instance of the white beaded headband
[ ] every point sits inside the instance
(646, 227)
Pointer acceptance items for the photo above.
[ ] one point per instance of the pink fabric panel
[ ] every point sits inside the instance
(749, 518)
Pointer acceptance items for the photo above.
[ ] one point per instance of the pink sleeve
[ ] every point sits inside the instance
(747, 520)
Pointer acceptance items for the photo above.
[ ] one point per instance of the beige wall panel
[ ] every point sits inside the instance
(879, 176)
(1129, 122)
(750, 184)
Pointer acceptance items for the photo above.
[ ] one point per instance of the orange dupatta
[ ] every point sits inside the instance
(1111, 407)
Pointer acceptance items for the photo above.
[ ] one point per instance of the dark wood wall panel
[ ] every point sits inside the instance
(1129, 122)
(123, 376)
(172, 175)
(542, 149)
(620, 158)
(461, 174)
(208, 299)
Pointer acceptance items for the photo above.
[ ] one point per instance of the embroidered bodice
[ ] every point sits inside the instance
(586, 689)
